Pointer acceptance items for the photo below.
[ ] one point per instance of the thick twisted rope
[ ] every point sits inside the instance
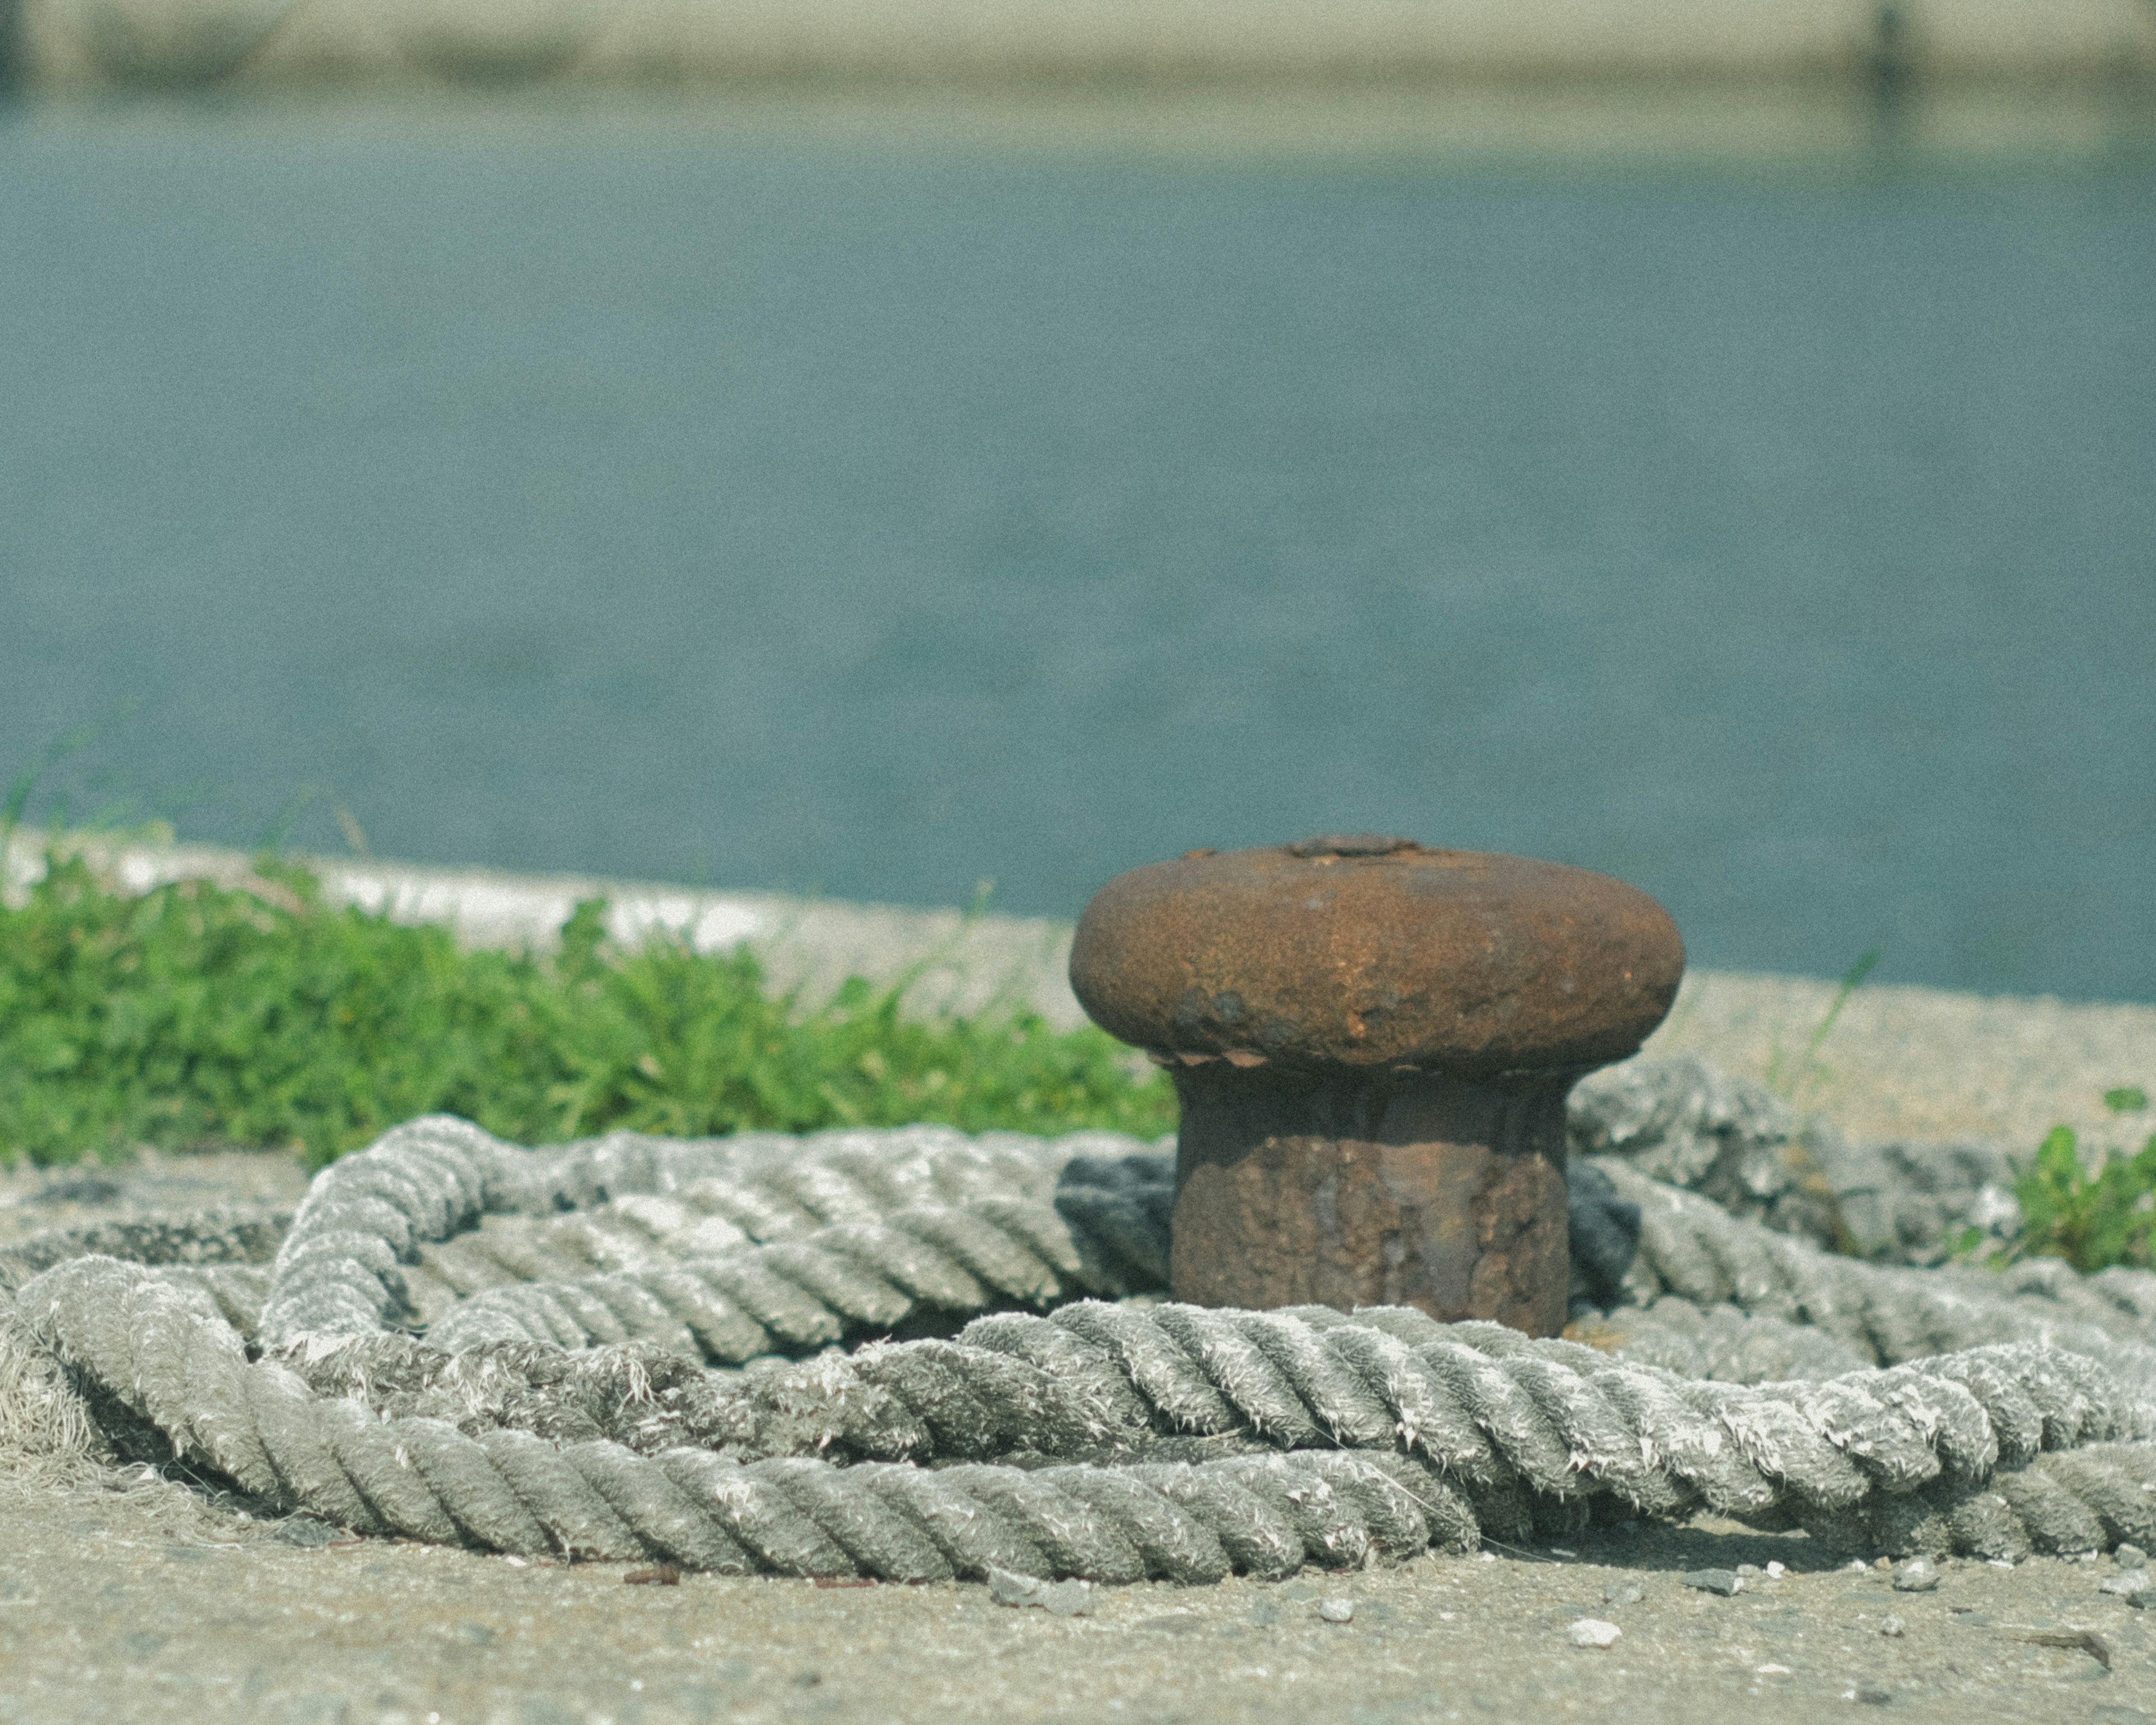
(735, 1250)
(730, 1301)
(785, 1246)
(821, 1236)
(1690, 1248)
(1498, 1430)
(154, 1364)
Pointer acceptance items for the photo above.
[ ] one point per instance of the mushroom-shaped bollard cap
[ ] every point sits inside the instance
(1375, 953)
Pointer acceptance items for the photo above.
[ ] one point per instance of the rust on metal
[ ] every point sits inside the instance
(1374, 952)
(1372, 1040)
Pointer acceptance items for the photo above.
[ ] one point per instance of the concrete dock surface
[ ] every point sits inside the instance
(109, 1613)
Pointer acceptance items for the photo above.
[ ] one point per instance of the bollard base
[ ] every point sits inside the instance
(1384, 1188)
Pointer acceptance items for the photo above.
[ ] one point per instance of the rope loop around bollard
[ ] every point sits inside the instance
(914, 1355)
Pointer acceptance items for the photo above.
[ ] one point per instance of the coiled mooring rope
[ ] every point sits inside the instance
(1057, 1433)
(1690, 1248)
(838, 1233)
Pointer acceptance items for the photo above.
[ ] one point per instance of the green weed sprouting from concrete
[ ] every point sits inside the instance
(1785, 1081)
(259, 1015)
(2093, 1220)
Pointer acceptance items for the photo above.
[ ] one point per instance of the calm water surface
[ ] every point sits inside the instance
(873, 514)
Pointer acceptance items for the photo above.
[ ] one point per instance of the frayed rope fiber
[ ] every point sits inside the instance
(605, 1373)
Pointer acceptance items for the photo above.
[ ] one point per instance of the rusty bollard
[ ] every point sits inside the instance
(1372, 1042)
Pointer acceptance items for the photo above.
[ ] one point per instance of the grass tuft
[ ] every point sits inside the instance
(258, 1016)
(2093, 1220)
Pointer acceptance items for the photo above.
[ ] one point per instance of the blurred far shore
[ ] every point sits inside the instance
(1113, 44)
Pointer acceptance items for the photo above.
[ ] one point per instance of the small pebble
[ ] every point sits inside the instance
(1775, 1572)
(1749, 1570)
(1336, 1610)
(2131, 1557)
(1059, 1598)
(1593, 1632)
(1006, 1588)
(1882, 1562)
(1622, 1593)
(1725, 1582)
(1893, 1626)
(1919, 1575)
(1067, 1599)
(2126, 1583)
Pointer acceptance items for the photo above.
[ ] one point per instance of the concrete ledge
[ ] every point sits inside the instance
(1901, 1062)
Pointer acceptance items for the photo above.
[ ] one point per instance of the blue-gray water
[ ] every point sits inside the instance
(872, 515)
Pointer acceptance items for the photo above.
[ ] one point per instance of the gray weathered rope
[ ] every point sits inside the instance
(1684, 1123)
(821, 1239)
(1086, 1441)
(144, 1351)
(1721, 1341)
(2088, 1499)
(1690, 1248)
(815, 1290)
(1487, 1416)
(820, 1236)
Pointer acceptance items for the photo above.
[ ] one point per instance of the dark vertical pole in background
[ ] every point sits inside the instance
(1893, 66)
(1890, 82)
(12, 50)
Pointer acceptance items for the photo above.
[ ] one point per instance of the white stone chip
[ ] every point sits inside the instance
(1059, 1598)
(1593, 1632)
(1919, 1575)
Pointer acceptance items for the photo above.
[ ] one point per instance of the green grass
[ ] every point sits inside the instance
(195, 1016)
(2092, 1221)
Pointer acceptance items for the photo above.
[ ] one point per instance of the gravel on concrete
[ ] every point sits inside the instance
(101, 1620)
